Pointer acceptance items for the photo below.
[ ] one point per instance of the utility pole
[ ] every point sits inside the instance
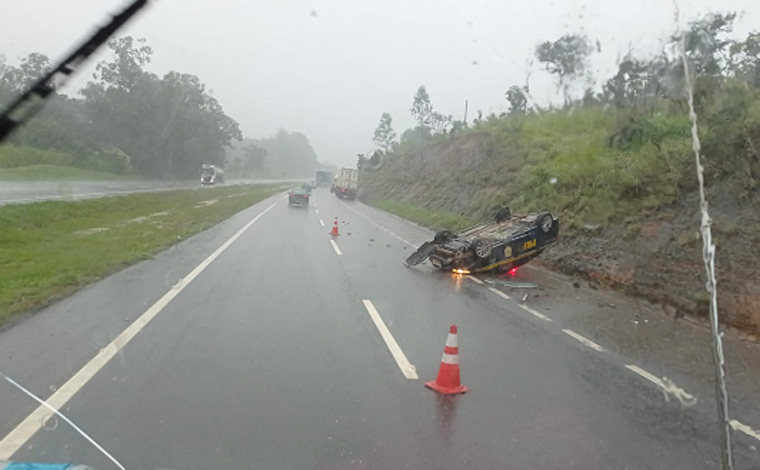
(466, 103)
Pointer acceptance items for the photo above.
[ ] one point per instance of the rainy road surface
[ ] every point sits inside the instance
(22, 192)
(251, 345)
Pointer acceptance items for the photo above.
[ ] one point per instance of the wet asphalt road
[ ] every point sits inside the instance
(269, 359)
(22, 192)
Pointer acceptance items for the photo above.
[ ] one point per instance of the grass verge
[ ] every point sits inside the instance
(59, 173)
(49, 250)
(435, 220)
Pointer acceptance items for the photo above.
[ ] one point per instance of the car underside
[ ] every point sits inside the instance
(504, 243)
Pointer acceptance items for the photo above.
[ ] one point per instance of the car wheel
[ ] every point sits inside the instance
(482, 248)
(544, 221)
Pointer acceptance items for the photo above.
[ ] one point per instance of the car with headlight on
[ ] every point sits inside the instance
(505, 243)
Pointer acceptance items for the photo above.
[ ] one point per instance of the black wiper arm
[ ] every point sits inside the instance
(31, 101)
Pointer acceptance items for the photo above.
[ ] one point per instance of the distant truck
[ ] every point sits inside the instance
(211, 175)
(346, 183)
(324, 178)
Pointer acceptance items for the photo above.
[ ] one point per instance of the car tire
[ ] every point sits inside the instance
(482, 247)
(544, 221)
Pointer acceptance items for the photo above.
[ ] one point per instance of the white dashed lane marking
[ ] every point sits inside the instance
(737, 426)
(499, 293)
(316, 211)
(335, 247)
(667, 386)
(535, 313)
(409, 371)
(475, 280)
(583, 340)
(322, 222)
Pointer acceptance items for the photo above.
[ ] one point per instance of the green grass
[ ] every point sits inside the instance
(435, 220)
(48, 250)
(58, 173)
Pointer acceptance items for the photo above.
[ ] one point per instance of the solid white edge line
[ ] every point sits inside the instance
(737, 426)
(475, 280)
(499, 293)
(34, 422)
(535, 313)
(409, 371)
(584, 340)
(322, 222)
(335, 247)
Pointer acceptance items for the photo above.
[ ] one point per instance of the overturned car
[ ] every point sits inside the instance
(505, 243)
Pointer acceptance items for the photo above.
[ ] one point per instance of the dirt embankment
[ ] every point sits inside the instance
(655, 254)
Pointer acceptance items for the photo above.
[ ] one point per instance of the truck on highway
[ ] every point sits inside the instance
(211, 175)
(346, 183)
(324, 178)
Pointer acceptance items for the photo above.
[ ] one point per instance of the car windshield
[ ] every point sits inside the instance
(426, 234)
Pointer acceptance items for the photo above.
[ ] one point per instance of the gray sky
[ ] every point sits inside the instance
(329, 68)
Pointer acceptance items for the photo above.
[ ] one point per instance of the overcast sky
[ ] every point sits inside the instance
(329, 68)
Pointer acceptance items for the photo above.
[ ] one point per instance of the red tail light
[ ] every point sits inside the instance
(513, 271)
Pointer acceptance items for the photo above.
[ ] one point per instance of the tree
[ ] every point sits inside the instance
(566, 58)
(385, 136)
(630, 85)
(440, 123)
(518, 104)
(253, 158)
(422, 108)
(707, 43)
(169, 126)
(130, 57)
(33, 67)
(745, 59)
(361, 160)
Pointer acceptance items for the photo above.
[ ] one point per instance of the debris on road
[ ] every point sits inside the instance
(576, 285)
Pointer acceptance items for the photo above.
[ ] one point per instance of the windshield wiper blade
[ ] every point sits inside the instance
(32, 100)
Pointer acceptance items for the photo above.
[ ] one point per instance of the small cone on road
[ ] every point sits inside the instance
(334, 232)
(448, 381)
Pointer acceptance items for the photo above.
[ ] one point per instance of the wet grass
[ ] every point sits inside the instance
(59, 173)
(49, 250)
(435, 220)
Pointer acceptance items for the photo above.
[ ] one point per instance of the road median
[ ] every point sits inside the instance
(48, 250)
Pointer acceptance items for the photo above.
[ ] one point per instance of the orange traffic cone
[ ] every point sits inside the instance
(448, 382)
(334, 232)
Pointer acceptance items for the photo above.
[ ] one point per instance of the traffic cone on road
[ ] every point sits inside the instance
(448, 382)
(334, 232)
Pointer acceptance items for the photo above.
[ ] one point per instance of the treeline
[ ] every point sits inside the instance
(126, 119)
(644, 102)
(285, 154)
